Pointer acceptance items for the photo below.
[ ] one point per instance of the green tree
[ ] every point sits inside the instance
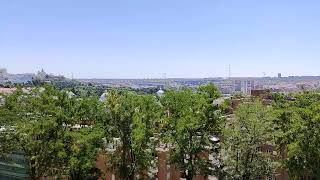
(40, 124)
(243, 137)
(211, 90)
(41, 130)
(298, 124)
(84, 148)
(10, 107)
(132, 118)
(190, 130)
(85, 144)
(89, 110)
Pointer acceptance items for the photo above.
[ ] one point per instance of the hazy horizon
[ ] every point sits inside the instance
(163, 76)
(147, 39)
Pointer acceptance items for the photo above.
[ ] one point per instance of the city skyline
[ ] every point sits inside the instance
(164, 76)
(144, 39)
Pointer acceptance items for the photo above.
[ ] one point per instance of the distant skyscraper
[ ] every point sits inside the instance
(3, 72)
(279, 75)
(237, 85)
(249, 86)
(243, 86)
(41, 75)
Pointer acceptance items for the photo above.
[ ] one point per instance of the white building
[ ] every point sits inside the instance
(243, 86)
(3, 72)
(160, 92)
(103, 97)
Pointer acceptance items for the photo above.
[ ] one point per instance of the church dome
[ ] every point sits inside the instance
(160, 92)
(103, 97)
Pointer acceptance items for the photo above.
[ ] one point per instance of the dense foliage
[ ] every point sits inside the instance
(133, 119)
(39, 123)
(61, 133)
(244, 136)
(190, 131)
(298, 124)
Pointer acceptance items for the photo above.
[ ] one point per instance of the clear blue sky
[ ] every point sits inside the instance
(147, 38)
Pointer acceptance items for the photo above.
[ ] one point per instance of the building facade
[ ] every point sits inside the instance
(243, 86)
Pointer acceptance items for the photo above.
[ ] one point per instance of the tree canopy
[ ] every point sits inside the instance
(298, 124)
(133, 120)
(61, 134)
(244, 137)
(189, 130)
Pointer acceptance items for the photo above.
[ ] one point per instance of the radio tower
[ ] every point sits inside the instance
(229, 71)
(264, 74)
(164, 76)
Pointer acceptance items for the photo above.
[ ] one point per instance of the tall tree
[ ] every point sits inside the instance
(84, 146)
(211, 90)
(40, 124)
(190, 132)
(10, 107)
(41, 130)
(298, 125)
(132, 118)
(243, 137)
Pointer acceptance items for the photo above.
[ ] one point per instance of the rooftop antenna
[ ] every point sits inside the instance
(264, 74)
(165, 80)
(229, 71)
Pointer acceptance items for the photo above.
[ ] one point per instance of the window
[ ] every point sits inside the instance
(271, 177)
(258, 149)
(269, 151)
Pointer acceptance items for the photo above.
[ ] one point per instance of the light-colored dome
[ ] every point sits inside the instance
(160, 92)
(70, 94)
(103, 97)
